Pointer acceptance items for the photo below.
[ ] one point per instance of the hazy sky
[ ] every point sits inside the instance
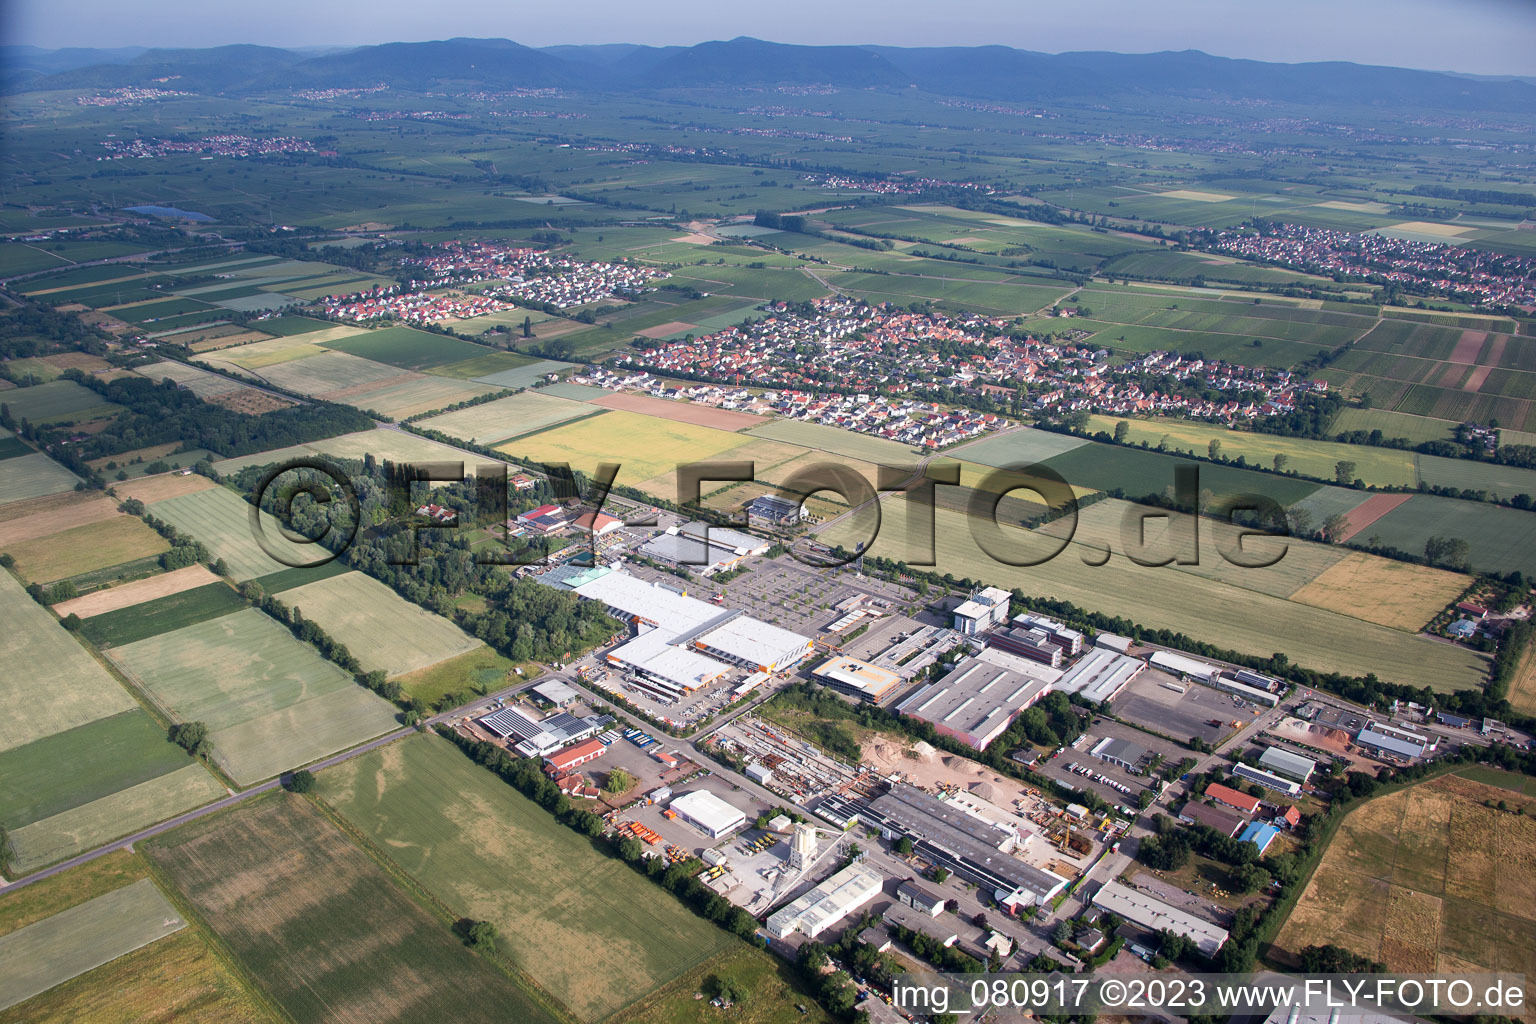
(1480, 36)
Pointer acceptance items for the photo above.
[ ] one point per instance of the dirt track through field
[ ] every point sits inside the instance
(1370, 510)
(137, 592)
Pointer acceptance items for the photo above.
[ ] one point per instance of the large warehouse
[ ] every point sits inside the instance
(532, 737)
(856, 678)
(675, 631)
(828, 903)
(689, 545)
(708, 813)
(1100, 675)
(1154, 915)
(975, 702)
(974, 849)
(1283, 762)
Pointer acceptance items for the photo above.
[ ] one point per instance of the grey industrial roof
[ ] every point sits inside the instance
(1099, 674)
(1287, 763)
(1381, 741)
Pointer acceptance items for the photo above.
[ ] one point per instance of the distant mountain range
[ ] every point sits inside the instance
(995, 73)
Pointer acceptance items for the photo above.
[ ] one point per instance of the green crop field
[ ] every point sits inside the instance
(481, 667)
(52, 774)
(1023, 446)
(1465, 474)
(1416, 429)
(31, 476)
(491, 423)
(277, 882)
(78, 689)
(1378, 466)
(484, 365)
(220, 518)
(409, 349)
(110, 817)
(384, 630)
(1136, 472)
(1219, 612)
(589, 939)
(524, 376)
(161, 615)
(270, 702)
(1501, 539)
(87, 548)
(41, 955)
(284, 326)
(288, 579)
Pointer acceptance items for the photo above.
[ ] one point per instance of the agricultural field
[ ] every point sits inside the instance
(385, 631)
(413, 395)
(482, 668)
(524, 376)
(44, 515)
(151, 489)
(220, 518)
(275, 882)
(1465, 474)
(382, 443)
(492, 423)
(1425, 880)
(1501, 539)
(189, 599)
(1228, 613)
(270, 702)
(644, 446)
(79, 689)
(774, 994)
(409, 349)
(1396, 594)
(328, 373)
(683, 412)
(1020, 447)
(1382, 467)
(83, 549)
(1417, 429)
(845, 443)
(588, 940)
(1136, 472)
(39, 956)
(110, 599)
(173, 978)
(1522, 688)
(61, 401)
(32, 476)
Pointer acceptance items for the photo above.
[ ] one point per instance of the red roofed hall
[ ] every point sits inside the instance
(597, 523)
(573, 756)
(1232, 798)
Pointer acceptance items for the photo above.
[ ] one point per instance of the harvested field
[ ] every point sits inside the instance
(1370, 510)
(276, 883)
(325, 372)
(491, 423)
(683, 412)
(837, 442)
(53, 515)
(79, 690)
(1217, 611)
(1391, 593)
(417, 394)
(151, 489)
(664, 330)
(110, 817)
(82, 549)
(1427, 879)
(220, 518)
(270, 702)
(644, 446)
(36, 958)
(251, 402)
(385, 631)
(32, 476)
(590, 937)
(1522, 689)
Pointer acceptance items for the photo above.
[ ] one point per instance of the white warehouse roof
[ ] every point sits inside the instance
(653, 652)
(1178, 664)
(1100, 674)
(756, 642)
(1287, 763)
(1155, 915)
(649, 601)
(828, 903)
(709, 811)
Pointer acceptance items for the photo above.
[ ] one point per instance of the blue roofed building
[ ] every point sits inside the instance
(1260, 835)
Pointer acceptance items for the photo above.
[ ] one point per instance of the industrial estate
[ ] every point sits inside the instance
(672, 534)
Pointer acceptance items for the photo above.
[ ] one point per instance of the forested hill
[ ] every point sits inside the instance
(983, 72)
